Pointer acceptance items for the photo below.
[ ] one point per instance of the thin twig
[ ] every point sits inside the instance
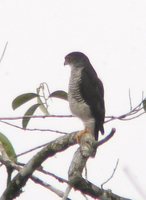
(62, 180)
(48, 186)
(130, 100)
(41, 89)
(36, 117)
(111, 175)
(132, 112)
(134, 117)
(33, 149)
(124, 116)
(40, 169)
(33, 129)
(67, 191)
(3, 53)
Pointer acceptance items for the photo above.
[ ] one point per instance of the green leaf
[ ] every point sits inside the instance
(8, 147)
(23, 98)
(60, 94)
(144, 104)
(27, 116)
(42, 106)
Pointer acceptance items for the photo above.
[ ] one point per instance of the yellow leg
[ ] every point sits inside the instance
(80, 134)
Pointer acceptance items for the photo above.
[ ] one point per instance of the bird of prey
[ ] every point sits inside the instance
(86, 93)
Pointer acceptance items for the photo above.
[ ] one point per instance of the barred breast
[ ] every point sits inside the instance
(77, 104)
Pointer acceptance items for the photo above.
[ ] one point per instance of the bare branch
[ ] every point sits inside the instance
(8, 163)
(134, 113)
(33, 129)
(75, 171)
(76, 168)
(33, 149)
(68, 189)
(134, 117)
(48, 186)
(130, 100)
(35, 117)
(62, 180)
(40, 169)
(58, 145)
(111, 175)
(87, 149)
(78, 182)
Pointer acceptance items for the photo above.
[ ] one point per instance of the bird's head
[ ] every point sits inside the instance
(76, 59)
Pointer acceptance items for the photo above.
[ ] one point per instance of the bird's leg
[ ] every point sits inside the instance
(87, 142)
(80, 134)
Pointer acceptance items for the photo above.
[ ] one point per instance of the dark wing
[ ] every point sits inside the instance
(92, 91)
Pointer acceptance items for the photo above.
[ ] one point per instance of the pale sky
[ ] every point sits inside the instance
(113, 35)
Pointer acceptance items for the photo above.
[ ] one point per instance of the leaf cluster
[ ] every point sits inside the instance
(41, 102)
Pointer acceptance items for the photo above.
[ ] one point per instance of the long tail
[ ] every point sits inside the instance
(98, 127)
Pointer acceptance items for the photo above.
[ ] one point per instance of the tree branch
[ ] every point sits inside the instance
(58, 145)
(32, 129)
(48, 186)
(76, 168)
(5, 160)
(78, 182)
(111, 175)
(35, 117)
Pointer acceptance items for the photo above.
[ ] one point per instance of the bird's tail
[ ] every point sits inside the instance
(98, 127)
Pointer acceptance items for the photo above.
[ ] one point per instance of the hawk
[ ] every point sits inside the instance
(86, 93)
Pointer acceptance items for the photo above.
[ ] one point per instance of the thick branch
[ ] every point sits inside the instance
(58, 145)
(75, 171)
(10, 164)
(78, 182)
(76, 168)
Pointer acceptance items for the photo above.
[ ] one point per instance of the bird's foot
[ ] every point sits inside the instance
(81, 134)
(87, 143)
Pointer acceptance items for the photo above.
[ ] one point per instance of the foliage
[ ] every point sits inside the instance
(23, 98)
(41, 101)
(8, 147)
(59, 94)
(41, 98)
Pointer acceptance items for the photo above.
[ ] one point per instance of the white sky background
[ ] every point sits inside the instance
(113, 35)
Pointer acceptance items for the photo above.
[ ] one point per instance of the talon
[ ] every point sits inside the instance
(81, 134)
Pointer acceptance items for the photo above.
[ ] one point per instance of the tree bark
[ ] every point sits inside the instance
(75, 171)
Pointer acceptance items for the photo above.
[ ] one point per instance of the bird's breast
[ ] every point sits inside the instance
(77, 104)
